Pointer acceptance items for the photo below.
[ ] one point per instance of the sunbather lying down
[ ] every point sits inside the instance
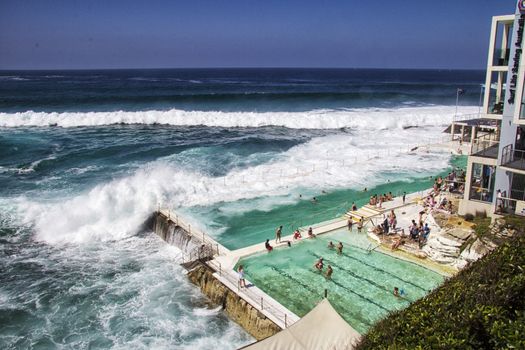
(397, 242)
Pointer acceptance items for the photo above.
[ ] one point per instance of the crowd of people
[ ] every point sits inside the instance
(454, 182)
(378, 201)
(295, 236)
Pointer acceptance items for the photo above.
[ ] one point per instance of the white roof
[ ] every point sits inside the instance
(322, 328)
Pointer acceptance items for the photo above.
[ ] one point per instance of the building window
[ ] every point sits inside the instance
(502, 44)
(517, 187)
(482, 182)
(496, 92)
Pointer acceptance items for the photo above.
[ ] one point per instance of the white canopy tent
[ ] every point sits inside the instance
(320, 329)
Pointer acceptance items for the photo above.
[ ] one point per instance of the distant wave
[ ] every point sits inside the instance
(368, 118)
(13, 78)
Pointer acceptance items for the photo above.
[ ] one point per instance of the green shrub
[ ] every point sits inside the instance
(482, 307)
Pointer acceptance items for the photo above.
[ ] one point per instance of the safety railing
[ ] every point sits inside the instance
(480, 194)
(513, 158)
(199, 235)
(255, 297)
(465, 117)
(485, 145)
(505, 206)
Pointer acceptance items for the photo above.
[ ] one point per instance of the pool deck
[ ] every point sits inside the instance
(224, 261)
(223, 264)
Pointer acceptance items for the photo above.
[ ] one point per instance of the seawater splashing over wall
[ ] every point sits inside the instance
(174, 235)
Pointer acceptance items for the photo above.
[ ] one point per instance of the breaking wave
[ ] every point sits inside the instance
(364, 118)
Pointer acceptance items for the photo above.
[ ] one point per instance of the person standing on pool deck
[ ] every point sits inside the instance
(360, 225)
(242, 281)
(278, 233)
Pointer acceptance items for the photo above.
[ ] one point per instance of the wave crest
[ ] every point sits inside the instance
(365, 118)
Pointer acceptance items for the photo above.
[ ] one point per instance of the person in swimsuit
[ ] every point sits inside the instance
(319, 264)
(329, 272)
(269, 248)
(340, 248)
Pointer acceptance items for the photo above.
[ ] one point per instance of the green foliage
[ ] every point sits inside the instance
(482, 307)
(481, 226)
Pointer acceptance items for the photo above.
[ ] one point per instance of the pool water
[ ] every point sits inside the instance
(236, 228)
(362, 284)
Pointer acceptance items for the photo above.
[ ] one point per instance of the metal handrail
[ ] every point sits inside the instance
(505, 205)
(480, 194)
(196, 233)
(257, 299)
(463, 117)
(515, 156)
(481, 144)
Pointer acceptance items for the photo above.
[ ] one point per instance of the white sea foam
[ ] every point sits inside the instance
(364, 118)
(116, 209)
(131, 293)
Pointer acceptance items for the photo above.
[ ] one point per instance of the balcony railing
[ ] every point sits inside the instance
(510, 206)
(480, 194)
(485, 146)
(513, 158)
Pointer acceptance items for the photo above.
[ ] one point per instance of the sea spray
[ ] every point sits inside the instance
(116, 209)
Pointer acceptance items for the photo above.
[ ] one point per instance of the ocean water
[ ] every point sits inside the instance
(86, 156)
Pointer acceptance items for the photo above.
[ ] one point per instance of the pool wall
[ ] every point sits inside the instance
(238, 310)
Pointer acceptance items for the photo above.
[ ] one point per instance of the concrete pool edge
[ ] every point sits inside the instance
(263, 315)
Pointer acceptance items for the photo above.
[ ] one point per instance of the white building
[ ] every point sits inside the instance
(495, 182)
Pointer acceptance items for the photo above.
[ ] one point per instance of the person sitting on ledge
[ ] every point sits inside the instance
(269, 248)
(311, 233)
(377, 230)
(297, 235)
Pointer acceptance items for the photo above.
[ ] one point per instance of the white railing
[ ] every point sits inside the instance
(255, 297)
(510, 206)
(199, 235)
(482, 144)
(465, 117)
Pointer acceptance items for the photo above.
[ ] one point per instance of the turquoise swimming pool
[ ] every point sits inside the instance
(362, 284)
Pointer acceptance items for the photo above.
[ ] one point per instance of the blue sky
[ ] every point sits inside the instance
(72, 34)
